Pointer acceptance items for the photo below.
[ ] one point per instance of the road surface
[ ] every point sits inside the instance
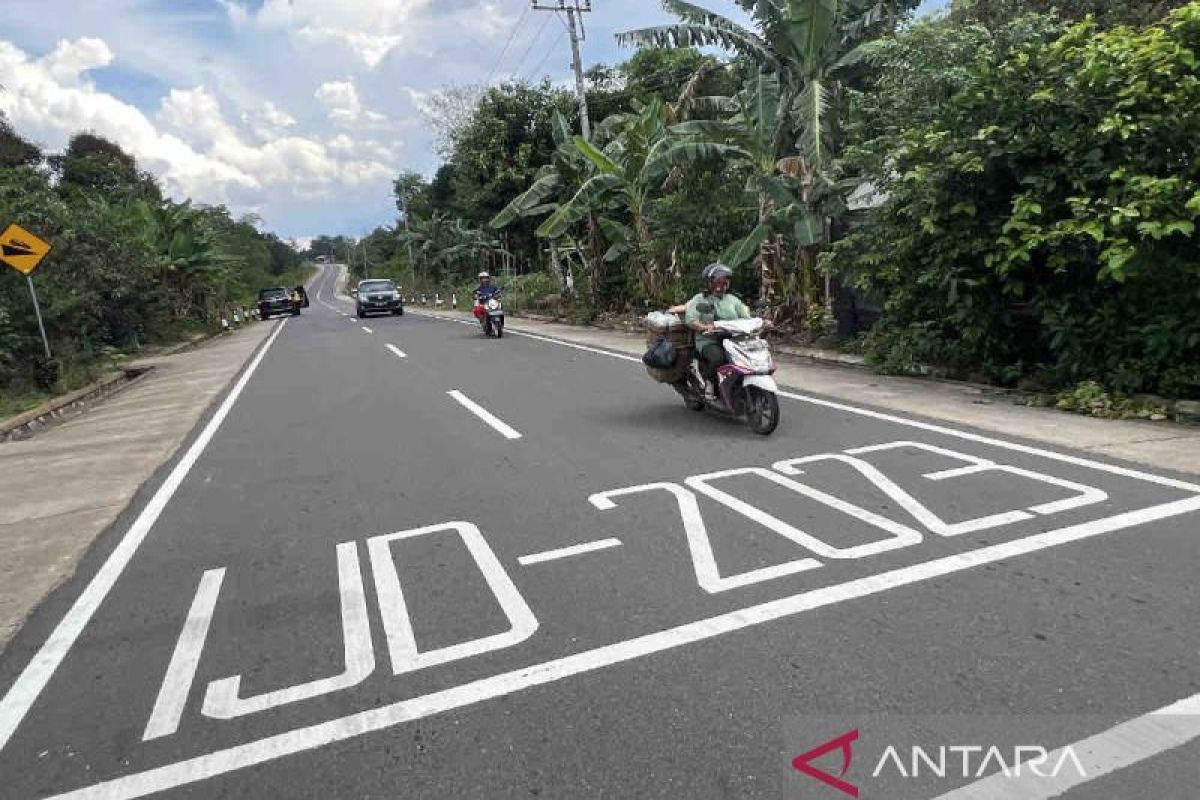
(404, 561)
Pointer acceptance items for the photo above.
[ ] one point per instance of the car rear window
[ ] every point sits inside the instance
(376, 286)
(272, 294)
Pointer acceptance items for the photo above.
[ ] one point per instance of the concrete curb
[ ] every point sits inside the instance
(58, 409)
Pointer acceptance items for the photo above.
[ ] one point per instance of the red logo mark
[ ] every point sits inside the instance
(803, 762)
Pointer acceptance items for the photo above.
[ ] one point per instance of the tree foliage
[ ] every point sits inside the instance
(127, 267)
(1041, 215)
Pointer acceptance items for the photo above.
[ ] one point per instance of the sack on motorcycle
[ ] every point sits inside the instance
(681, 341)
(661, 354)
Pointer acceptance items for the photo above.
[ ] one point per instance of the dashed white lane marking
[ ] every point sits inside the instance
(181, 671)
(505, 430)
(1115, 749)
(399, 353)
(368, 330)
(567, 552)
(22, 694)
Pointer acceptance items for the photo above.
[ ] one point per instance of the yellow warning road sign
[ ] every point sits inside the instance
(21, 250)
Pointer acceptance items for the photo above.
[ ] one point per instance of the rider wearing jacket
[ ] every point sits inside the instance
(486, 288)
(711, 305)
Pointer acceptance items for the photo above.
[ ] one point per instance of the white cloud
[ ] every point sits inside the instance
(341, 100)
(370, 29)
(199, 154)
(70, 60)
(268, 121)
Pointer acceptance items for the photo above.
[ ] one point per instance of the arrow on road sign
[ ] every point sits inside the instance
(21, 250)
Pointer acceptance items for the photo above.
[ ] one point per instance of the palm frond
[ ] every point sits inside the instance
(815, 122)
(589, 196)
(743, 250)
(668, 153)
(524, 204)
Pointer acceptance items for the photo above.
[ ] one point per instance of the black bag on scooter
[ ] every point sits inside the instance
(661, 354)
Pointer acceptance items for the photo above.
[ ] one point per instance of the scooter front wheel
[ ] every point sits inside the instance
(762, 411)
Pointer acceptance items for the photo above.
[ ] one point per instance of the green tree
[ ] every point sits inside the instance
(637, 153)
(15, 151)
(804, 45)
(1043, 218)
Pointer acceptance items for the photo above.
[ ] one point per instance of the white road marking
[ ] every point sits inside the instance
(901, 535)
(704, 562)
(402, 643)
(368, 330)
(399, 353)
(33, 679)
(1085, 495)
(898, 420)
(263, 750)
(302, 739)
(505, 430)
(1115, 749)
(222, 700)
(181, 671)
(567, 552)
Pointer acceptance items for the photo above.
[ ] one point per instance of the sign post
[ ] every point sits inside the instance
(23, 251)
(38, 312)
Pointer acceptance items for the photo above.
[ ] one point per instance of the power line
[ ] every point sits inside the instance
(532, 74)
(512, 35)
(532, 42)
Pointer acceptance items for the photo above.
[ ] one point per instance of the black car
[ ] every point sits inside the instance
(378, 296)
(276, 300)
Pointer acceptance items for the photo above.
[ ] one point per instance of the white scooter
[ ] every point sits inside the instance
(745, 386)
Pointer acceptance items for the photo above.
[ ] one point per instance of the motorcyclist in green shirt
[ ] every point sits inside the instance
(712, 305)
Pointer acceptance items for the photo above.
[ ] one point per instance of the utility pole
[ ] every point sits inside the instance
(573, 7)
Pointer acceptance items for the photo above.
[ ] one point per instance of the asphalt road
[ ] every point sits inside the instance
(354, 585)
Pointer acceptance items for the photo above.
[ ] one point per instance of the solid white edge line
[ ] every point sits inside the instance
(33, 679)
(1107, 752)
(181, 671)
(567, 552)
(291, 742)
(503, 428)
(397, 351)
(223, 761)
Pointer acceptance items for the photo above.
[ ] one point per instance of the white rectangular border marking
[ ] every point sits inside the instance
(567, 552)
(505, 430)
(257, 752)
(295, 741)
(33, 679)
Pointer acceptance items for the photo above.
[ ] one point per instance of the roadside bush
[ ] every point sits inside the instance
(1042, 217)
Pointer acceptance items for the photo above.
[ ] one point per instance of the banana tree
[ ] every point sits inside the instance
(804, 46)
(553, 184)
(639, 154)
(794, 199)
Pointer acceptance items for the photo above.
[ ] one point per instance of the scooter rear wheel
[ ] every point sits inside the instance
(762, 411)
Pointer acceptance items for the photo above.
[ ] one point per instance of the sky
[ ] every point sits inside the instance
(299, 111)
